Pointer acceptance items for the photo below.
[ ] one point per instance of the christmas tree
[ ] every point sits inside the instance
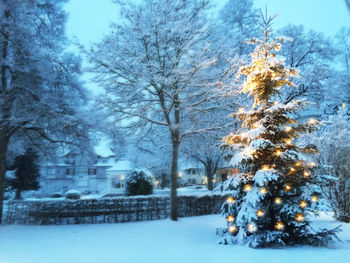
(272, 199)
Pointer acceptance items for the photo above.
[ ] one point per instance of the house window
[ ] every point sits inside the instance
(193, 171)
(92, 171)
(70, 171)
(52, 171)
(83, 171)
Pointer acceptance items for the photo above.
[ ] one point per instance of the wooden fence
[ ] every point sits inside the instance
(114, 210)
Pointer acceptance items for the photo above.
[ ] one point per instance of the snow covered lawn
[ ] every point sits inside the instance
(188, 240)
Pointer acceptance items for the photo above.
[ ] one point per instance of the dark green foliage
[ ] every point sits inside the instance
(73, 194)
(27, 172)
(138, 183)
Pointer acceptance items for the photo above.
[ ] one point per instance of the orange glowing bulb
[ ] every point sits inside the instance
(278, 200)
(252, 228)
(260, 213)
(306, 174)
(230, 218)
(247, 187)
(230, 200)
(263, 190)
(279, 225)
(303, 204)
(314, 198)
(232, 229)
(299, 217)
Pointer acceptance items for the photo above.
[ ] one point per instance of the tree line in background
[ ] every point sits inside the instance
(168, 69)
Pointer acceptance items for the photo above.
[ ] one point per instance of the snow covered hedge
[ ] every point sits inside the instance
(116, 210)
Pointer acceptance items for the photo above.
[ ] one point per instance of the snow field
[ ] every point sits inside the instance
(189, 240)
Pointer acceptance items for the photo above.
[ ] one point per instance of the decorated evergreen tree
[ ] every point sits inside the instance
(276, 192)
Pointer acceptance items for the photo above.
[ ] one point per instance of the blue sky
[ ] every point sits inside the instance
(89, 20)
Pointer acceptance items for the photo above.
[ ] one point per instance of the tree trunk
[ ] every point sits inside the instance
(3, 152)
(210, 176)
(173, 179)
(18, 194)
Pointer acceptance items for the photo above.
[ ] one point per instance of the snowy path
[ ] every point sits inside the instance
(189, 240)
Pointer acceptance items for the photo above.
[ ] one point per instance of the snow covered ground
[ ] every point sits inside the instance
(188, 240)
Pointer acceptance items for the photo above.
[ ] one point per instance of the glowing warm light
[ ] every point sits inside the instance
(260, 213)
(343, 105)
(298, 163)
(263, 190)
(299, 217)
(314, 198)
(278, 200)
(287, 187)
(311, 121)
(278, 152)
(252, 228)
(122, 177)
(255, 125)
(266, 168)
(288, 129)
(230, 218)
(232, 229)
(276, 103)
(279, 225)
(289, 142)
(312, 164)
(306, 174)
(303, 204)
(247, 187)
(240, 110)
(230, 200)
(274, 74)
(292, 169)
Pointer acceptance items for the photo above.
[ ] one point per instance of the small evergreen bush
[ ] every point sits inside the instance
(138, 182)
(56, 195)
(73, 194)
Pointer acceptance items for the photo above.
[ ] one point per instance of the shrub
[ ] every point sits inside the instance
(138, 182)
(56, 195)
(73, 194)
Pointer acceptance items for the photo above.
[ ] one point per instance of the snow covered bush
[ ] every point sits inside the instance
(334, 162)
(139, 182)
(56, 195)
(73, 194)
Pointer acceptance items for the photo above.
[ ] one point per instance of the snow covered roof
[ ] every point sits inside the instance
(122, 165)
(10, 174)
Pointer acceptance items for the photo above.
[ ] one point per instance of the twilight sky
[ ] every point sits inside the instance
(89, 19)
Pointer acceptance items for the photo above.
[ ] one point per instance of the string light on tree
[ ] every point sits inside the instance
(260, 213)
(306, 174)
(302, 204)
(230, 200)
(299, 217)
(279, 225)
(232, 229)
(230, 218)
(247, 188)
(252, 228)
(278, 201)
(263, 190)
(314, 198)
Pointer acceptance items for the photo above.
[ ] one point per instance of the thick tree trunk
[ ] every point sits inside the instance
(173, 179)
(3, 151)
(18, 194)
(210, 176)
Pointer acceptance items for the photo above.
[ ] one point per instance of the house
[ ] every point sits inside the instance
(192, 176)
(224, 173)
(102, 173)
